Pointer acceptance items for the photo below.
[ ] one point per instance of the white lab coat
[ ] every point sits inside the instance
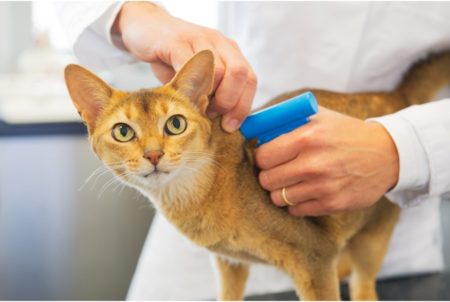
(338, 46)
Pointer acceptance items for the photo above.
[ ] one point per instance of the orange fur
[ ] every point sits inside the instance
(208, 186)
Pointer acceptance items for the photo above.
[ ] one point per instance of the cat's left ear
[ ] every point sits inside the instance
(89, 93)
(195, 79)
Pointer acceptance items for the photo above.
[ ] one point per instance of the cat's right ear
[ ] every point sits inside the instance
(88, 92)
(195, 79)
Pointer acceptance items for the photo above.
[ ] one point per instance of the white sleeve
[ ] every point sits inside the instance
(421, 134)
(88, 27)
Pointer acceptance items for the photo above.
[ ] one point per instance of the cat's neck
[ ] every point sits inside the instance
(186, 205)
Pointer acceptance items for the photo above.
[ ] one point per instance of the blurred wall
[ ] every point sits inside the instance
(58, 241)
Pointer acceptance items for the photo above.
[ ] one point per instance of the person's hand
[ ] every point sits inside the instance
(333, 163)
(166, 42)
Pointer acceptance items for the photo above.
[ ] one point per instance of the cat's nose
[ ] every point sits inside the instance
(154, 156)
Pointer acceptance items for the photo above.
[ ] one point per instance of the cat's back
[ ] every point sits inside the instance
(359, 105)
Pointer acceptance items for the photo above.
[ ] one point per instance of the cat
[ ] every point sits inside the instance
(204, 180)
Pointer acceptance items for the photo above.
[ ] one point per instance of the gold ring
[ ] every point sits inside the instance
(286, 200)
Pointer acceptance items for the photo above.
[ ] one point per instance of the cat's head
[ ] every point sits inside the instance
(152, 136)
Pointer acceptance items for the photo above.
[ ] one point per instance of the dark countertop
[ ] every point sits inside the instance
(424, 287)
(64, 128)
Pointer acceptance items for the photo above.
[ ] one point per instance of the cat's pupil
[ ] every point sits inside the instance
(176, 122)
(123, 130)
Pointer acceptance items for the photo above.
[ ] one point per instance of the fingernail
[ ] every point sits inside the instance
(232, 125)
(212, 114)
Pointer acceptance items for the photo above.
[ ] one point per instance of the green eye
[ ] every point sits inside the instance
(175, 125)
(122, 133)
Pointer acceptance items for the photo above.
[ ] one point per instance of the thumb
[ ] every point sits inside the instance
(177, 55)
(162, 71)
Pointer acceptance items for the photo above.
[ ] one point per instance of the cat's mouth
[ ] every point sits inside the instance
(154, 173)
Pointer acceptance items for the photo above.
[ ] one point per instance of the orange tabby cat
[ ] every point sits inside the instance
(205, 182)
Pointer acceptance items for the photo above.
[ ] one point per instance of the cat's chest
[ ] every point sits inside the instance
(199, 224)
(236, 254)
(208, 229)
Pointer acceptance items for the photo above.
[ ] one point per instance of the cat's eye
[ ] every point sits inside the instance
(175, 125)
(123, 133)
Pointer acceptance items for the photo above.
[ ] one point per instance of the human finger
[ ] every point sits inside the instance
(233, 119)
(176, 55)
(294, 194)
(234, 80)
(230, 88)
(162, 71)
(281, 149)
(308, 208)
(284, 175)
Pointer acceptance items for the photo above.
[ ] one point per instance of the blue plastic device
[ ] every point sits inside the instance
(278, 119)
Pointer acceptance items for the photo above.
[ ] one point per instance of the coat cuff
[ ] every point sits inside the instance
(414, 174)
(103, 24)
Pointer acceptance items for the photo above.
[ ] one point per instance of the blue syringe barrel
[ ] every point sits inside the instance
(280, 118)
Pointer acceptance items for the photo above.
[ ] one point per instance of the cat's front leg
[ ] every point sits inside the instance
(314, 280)
(232, 278)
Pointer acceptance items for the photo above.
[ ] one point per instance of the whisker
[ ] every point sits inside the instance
(90, 177)
(111, 182)
(100, 171)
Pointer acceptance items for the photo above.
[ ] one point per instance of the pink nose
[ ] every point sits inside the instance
(154, 156)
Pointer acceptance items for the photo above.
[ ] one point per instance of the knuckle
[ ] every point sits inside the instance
(212, 32)
(225, 105)
(324, 189)
(264, 180)
(252, 80)
(326, 207)
(246, 108)
(241, 110)
(299, 211)
(308, 169)
(219, 72)
(332, 188)
(185, 36)
(233, 43)
(239, 72)
(306, 138)
(310, 136)
(299, 140)
(332, 205)
(313, 166)
(275, 197)
(261, 159)
(321, 190)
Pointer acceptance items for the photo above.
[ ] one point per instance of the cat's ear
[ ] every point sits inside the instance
(195, 79)
(88, 92)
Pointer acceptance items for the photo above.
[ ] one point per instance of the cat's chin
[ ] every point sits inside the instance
(151, 180)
